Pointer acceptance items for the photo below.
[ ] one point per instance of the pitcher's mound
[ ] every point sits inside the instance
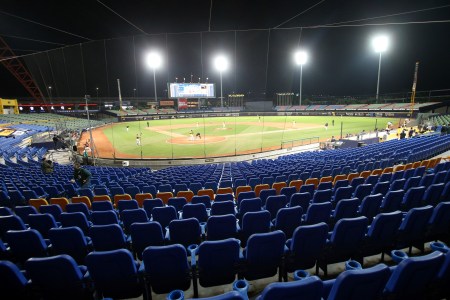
(204, 140)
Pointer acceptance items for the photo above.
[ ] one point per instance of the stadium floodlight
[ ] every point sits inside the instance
(221, 64)
(300, 57)
(154, 61)
(380, 45)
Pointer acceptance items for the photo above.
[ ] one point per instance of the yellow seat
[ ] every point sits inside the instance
(399, 168)
(36, 203)
(226, 190)
(339, 177)
(408, 166)
(314, 181)
(351, 176)
(416, 164)
(101, 198)
(297, 184)
(260, 187)
(186, 194)
(141, 197)
(377, 172)
(326, 179)
(206, 192)
(365, 174)
(164, 196)
(388, 170)
(278, 186)
(61, 201)
(82, 199)
(240, 189)
(122, 197)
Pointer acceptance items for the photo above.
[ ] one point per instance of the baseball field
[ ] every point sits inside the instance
(222, 136)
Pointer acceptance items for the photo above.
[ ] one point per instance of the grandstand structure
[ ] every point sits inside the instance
(325, 198)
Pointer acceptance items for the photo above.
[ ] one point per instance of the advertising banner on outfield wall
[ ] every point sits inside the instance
(182, 103)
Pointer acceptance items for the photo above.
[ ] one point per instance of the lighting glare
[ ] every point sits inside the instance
(153, 60)
(380, 43)
(221, 63)
(300, 57)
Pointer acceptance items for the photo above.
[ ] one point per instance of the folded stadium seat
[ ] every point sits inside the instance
(195, 187)
(278, 186)
(5, 200)
(164, 215)
(264, 247)
(5, 211)
(218, 263)
(185, 232)
(244, 195)
(13, 281)
(206, 192)
(296, 183)
(166, 268)
(99, 198)
(288, 219)
(412, 198)
(177, 202)
(259, 187)
(313, 181)
(210, 185)
(433, 194)
(132, 191)
(220, 227)
(292, 177)
(376, 172)
(24, 211)
(82, 199)
(124, 274)
(42, 223)
(254, 222)
(370, 206)
(37, 203)
(254, 181)
(321, 196)
(317, 212)
(223, 208)
(150, 189)
(381, 234)
(411, 277)
(77, 219)
(346, 208)
(357, 284)
(223, 197)
(288, 192)
(24, 244)
(130, 216)
(413, 229)
(248, 205)
(411, 182)
(326, 179)
(87, 192)
(242, 188)
(79, 207)
(11, 222)
(104, 217)
(345, 241)
(201, 199)
(62, 202)
(381, 188)
(188, 195)
(300, 199)
(307, 188)
(30, 194)
(45, 271)
(107, 237)
(144, 235)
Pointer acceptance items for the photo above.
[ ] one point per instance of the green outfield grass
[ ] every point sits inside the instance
(241, 134)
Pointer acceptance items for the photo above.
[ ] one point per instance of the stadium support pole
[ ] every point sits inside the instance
(221, 95)
(378, 81)
(120, 94)
(341, 130)
(154, 83)
(90, 129)
(376, 121)
(300, 92)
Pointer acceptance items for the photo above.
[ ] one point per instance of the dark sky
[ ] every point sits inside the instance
(103, 46)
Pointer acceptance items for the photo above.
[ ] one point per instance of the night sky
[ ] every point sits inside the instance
(259, 37)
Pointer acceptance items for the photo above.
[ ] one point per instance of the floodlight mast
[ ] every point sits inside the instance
(300, 57)
(380, 44)
(221, 63)
(154, 61)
